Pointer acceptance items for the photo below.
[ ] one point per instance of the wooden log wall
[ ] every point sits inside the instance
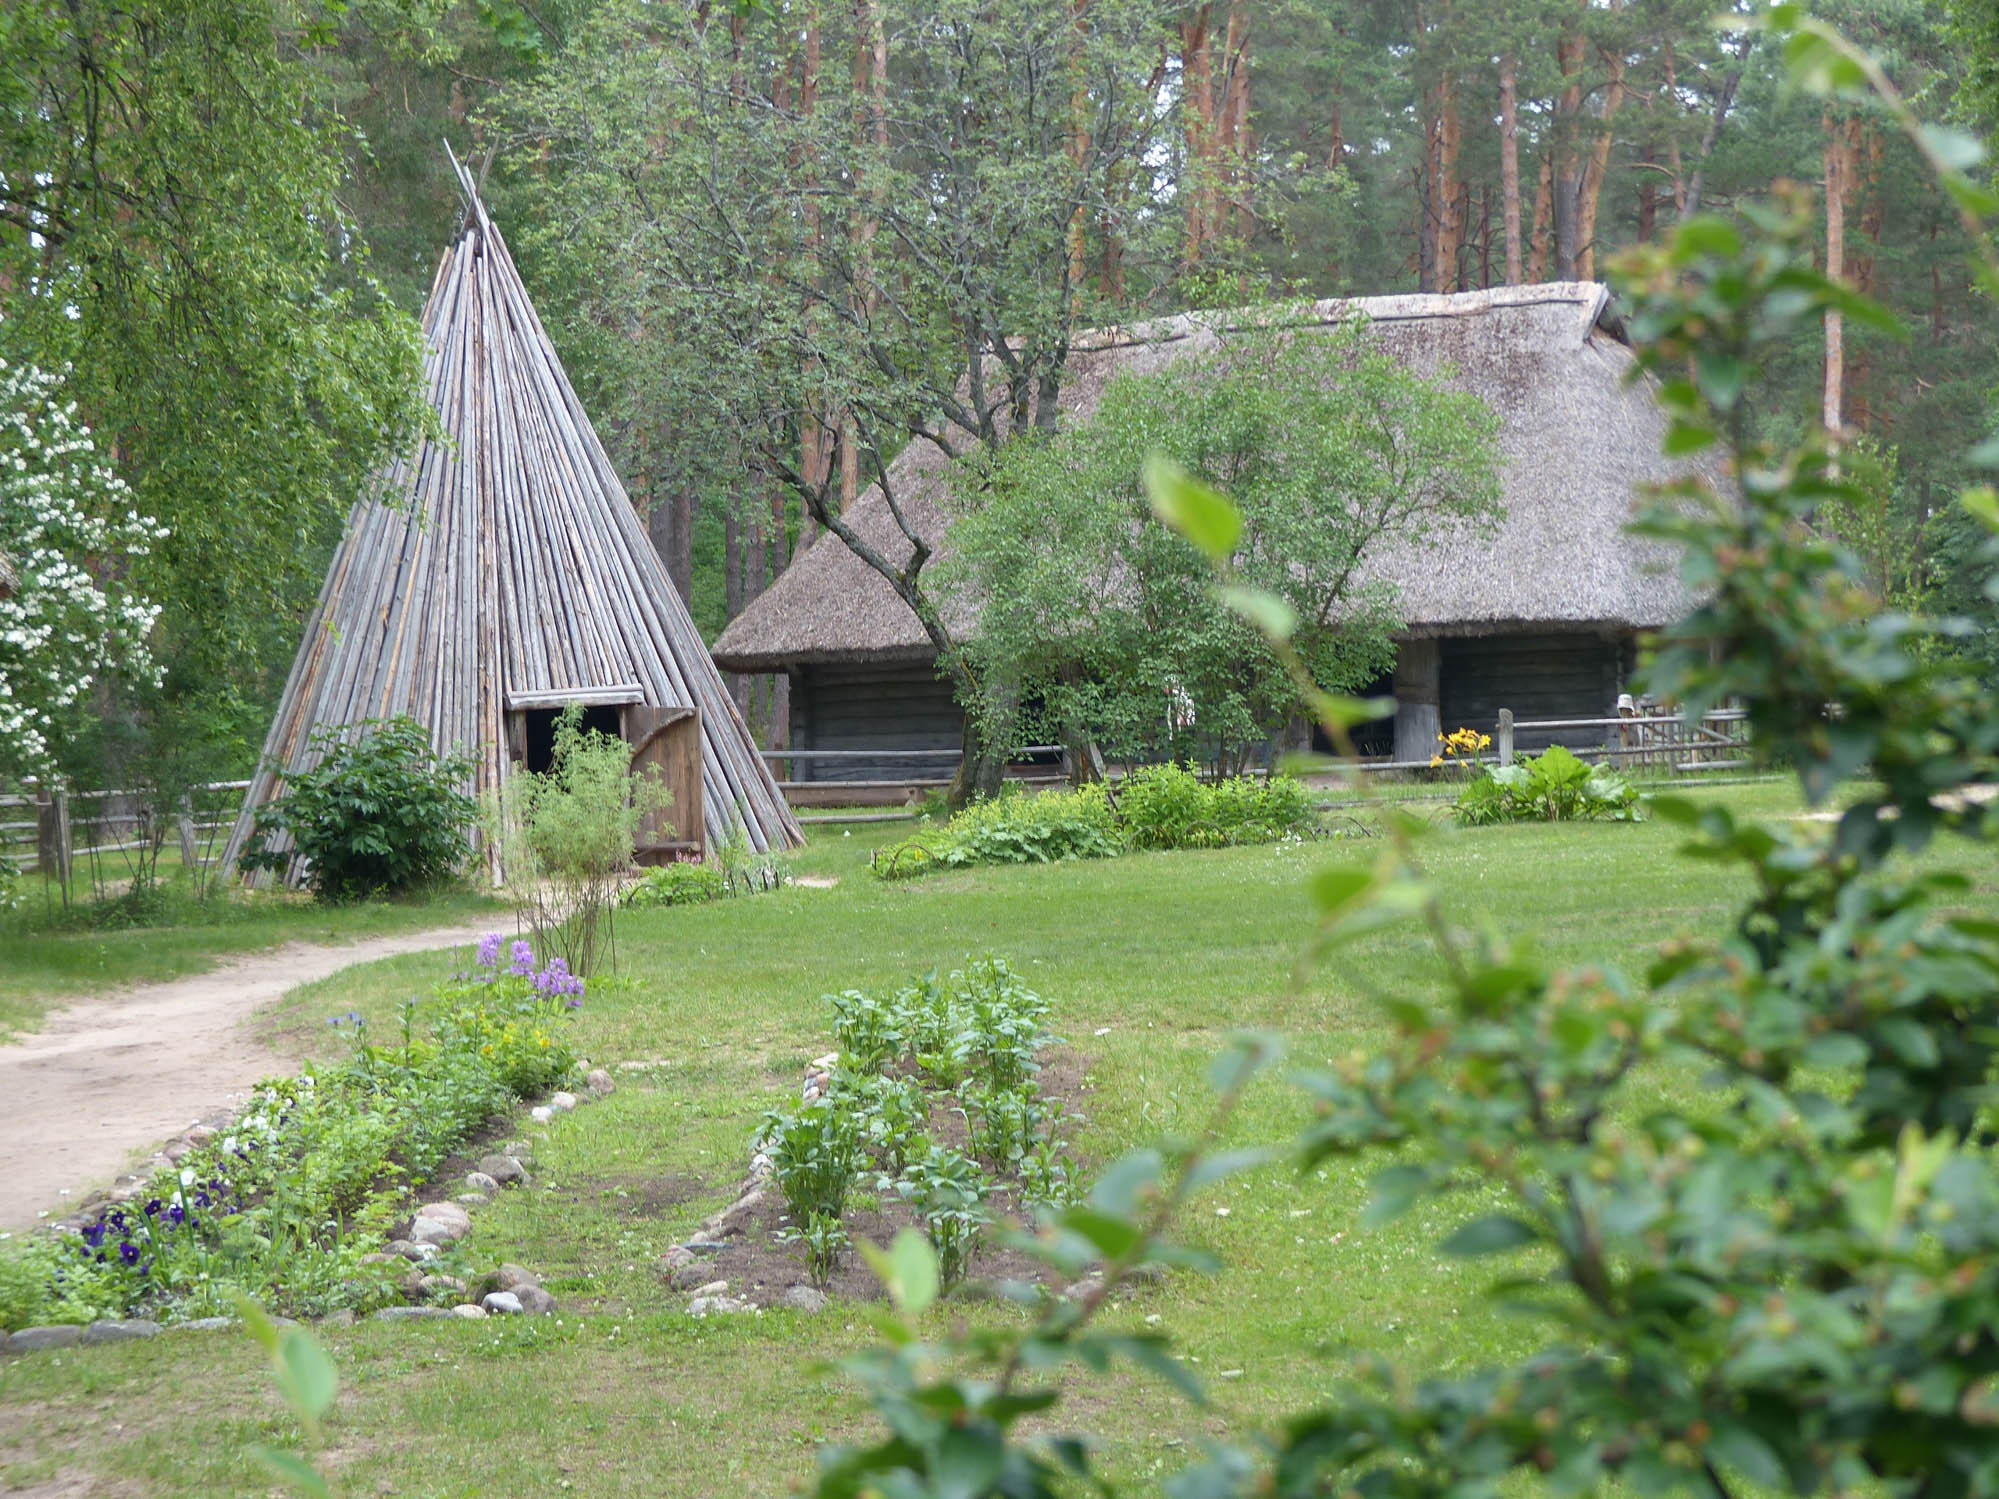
(1538, 676)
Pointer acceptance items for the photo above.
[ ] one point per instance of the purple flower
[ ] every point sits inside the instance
(176, 1214)
(129, 1252)
(575, 1004)
(489, 950)
(522, 953)
(94, 1235)
(153, 1208)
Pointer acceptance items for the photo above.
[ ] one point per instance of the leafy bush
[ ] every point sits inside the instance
(675, 885)
(381, 814)
(569, 835)
(815, 1156)
(316, 1167)
(1156, 807)
(891, 1111)
(948, 1191)
(1014, 828)
(1552, 787)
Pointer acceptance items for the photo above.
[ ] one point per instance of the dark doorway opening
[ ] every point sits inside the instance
(538, 732)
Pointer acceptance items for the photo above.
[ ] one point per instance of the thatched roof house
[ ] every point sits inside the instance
(1539, 617)
(500, 576)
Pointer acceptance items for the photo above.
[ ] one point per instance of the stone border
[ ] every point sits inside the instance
(682, 1267)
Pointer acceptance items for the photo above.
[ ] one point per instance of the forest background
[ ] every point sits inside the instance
(223, 218)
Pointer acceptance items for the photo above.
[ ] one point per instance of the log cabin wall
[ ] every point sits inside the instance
(1566, 675)
(891, 706)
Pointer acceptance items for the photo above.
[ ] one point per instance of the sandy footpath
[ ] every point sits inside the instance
(109, 1079)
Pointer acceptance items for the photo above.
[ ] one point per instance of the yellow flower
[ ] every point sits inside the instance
(1436, 759)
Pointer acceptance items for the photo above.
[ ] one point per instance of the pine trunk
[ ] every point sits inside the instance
(1509, 165)
(1835, 269)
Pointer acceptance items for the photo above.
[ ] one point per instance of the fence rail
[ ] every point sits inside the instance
(57, 837)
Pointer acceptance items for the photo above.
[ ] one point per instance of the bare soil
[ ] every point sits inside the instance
(110, 1079)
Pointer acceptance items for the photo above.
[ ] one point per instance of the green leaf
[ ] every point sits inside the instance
(258, 1324)
(1686, 438)
(907, 1270)
(1333, 890)
(1150, 1353)
(1395, 1191)
(1495, 1233)
(306, 1376)
(1740, 1448)
(1269, 613)
(1983, 506)
(292, 1469)
(1197, 511)
(1336, 710)
(968, 1463)
(1955, 149)
(1213, 1168)
(1721, 377)
(1112, 1236)
(1246, 1055)
(1707, 235)
(1133, 1177)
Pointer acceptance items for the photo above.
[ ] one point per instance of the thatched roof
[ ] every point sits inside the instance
(503, 568)
(1574, 437)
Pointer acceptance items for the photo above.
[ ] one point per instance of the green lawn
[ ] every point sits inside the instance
(38, 965)
(1150, 962)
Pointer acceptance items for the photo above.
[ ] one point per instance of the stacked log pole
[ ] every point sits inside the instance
(505, 562)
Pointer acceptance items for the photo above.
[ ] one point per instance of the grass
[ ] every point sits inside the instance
(44, 961)
(1150, 962)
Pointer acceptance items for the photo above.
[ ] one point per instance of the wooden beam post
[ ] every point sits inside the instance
(1505, 736)
(1417, 673)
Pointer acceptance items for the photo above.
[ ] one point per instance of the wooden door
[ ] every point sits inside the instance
(668, 740)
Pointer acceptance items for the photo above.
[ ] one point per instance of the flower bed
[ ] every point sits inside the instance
(285, 1203)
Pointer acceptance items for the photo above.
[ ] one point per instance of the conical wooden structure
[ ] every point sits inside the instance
(504, 574)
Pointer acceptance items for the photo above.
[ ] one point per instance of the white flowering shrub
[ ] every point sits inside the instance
(69, 527)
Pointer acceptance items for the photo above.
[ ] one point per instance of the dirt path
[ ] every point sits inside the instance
(107, 1079)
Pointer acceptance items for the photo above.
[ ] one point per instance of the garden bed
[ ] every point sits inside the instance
(763, 1268)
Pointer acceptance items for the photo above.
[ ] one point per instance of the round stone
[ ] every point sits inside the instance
(503, 1304)
(501, 1170)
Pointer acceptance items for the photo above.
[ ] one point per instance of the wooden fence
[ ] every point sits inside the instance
(898, 791)
(65, 833)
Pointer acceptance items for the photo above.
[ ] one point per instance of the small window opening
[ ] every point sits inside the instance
(537, 741)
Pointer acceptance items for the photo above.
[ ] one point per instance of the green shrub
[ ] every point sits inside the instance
(1168, 806)
(1013, 828)
(570, 834)
(382, 814)
(1552, 787)
(1156, 807)
(815, 1155)
(948, 1191)
(675, 885)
